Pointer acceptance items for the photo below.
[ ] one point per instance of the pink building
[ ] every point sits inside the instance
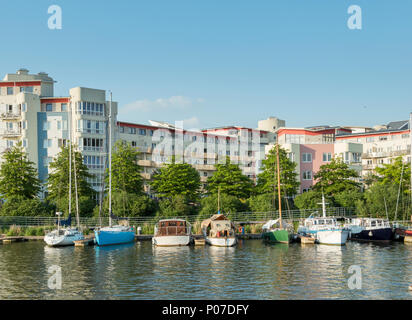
(312, 157)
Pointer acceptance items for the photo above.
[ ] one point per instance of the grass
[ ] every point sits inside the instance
(147, 228)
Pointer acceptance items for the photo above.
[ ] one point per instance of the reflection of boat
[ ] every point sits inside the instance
(172, 232)
(369, 229)
(219, 231)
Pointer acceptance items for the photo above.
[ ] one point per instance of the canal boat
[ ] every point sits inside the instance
(172, 232)
(369, 229)
(219, 231)
(113, 234)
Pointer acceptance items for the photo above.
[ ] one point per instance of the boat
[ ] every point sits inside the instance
(66, 236)
(307, 239)
(275, 231)
(172, 232)
(325, 230)
(63, 236)
(369, 229)
(113, 234)
(219, 231)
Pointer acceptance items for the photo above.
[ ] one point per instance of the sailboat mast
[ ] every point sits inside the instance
(110, 160)
(410, 136)
(280, 200)
(218, 200)
(69, 115)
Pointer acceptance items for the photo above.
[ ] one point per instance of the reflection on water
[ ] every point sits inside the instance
(250, 270)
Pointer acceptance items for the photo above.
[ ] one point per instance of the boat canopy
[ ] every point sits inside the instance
(206, 223)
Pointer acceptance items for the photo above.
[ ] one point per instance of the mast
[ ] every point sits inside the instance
(110, 160)
(410, 136)
(280, 200)
(75, 172)
(218, 200)
(69, 115)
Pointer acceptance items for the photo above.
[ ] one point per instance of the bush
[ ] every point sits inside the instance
(261, 203)
(228, 204)
(175, 206)
(14, 231)
(30, 231)
(20, 206)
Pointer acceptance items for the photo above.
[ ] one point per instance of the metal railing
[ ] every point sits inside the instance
(237, 217)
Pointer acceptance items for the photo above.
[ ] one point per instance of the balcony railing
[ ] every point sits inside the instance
(94, 149)
(11, 133)
(10, 115)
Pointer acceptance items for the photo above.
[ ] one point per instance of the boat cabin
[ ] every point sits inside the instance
(310, 222)
(369, 222)
(218, 226)
(172, 227)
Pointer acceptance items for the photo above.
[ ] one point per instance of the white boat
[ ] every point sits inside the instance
(172, 232)
(219, 231)
(63, 237)
(325, 230)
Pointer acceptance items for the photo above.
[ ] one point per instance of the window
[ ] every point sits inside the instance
(61, 143)
(59, 125)
(327, 156)
(151, 132)
(24, 107)
(133, 143)
(64, 106)
(47, 143)
(46, 125)
(142, 132)
(121, 129)
(9, 90)
(132, 130)
(24, 143)
(49, 107)
(307, 157)
(28, 89)
(307, 175)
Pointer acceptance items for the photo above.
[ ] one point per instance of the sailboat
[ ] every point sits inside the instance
(67, 236)
(275, 231)
(113, 234)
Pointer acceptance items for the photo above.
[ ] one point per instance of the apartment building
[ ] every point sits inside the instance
(43, 123)
(381, 145)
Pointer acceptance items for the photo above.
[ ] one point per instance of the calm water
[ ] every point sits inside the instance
(251, 270)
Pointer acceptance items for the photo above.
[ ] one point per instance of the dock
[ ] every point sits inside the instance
(84, 242)
(10, 239)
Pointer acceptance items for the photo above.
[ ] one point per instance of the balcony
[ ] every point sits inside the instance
(146, 163)
(204, 167)
(10, 116)
(146, 176)
(93, 149)
(385, 154)
(203, 179)
(11, 133)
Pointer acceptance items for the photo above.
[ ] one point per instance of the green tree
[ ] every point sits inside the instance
(22, 206)
(392, 173)
(336, 177)
(177, 179)
(58, 182)
(262, 203)
(174, 206)
(231, 181)
(348, 198)
(126, 176)
(309, 200)
(228, 204)
(267, 180)
(18, 176)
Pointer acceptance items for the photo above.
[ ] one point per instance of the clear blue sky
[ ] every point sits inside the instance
(221, 62)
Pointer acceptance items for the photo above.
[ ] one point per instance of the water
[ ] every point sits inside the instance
(251, 270)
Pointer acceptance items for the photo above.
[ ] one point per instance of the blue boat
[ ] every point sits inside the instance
(114, 235)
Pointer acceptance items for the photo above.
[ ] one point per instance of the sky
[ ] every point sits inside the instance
(223, 62)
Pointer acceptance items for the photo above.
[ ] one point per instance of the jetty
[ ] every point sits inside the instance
(10, 239)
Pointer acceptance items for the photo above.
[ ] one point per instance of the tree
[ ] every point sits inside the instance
(336, 177)
(231, 181)
(309, 200)
(267, 180)
(228, 204)
(348, 198)
(177, 179)
(392, 173)
(18, 176)
(22, 206)
(262, 203)
(58, 182)
(174, 206)
(125, 170)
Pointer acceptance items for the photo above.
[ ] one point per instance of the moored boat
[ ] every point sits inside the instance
(324, 230)
(63, 237)
(219, 231)
(369, 229)
(172, 232)
(274, 232)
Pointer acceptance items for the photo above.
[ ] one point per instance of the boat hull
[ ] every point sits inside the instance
(221, 242)
(62, 241)
(332, 237)
(106, 238)
(383, 235)
(277, 236)
(171, 241)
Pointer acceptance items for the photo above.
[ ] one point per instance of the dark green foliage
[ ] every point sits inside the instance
(228, 204)
(21, 206)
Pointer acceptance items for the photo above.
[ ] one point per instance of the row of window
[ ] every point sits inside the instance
(91, 126)
(94, 162)
(13, 90)
(307, 157)
(49, 107)
(90, 108)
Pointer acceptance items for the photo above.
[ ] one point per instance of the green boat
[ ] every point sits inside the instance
(273, 234)
(274, 231)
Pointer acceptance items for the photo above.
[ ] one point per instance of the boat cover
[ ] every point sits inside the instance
(207, 222)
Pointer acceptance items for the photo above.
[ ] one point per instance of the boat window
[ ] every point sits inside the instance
(321, 222)
(373, 223)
